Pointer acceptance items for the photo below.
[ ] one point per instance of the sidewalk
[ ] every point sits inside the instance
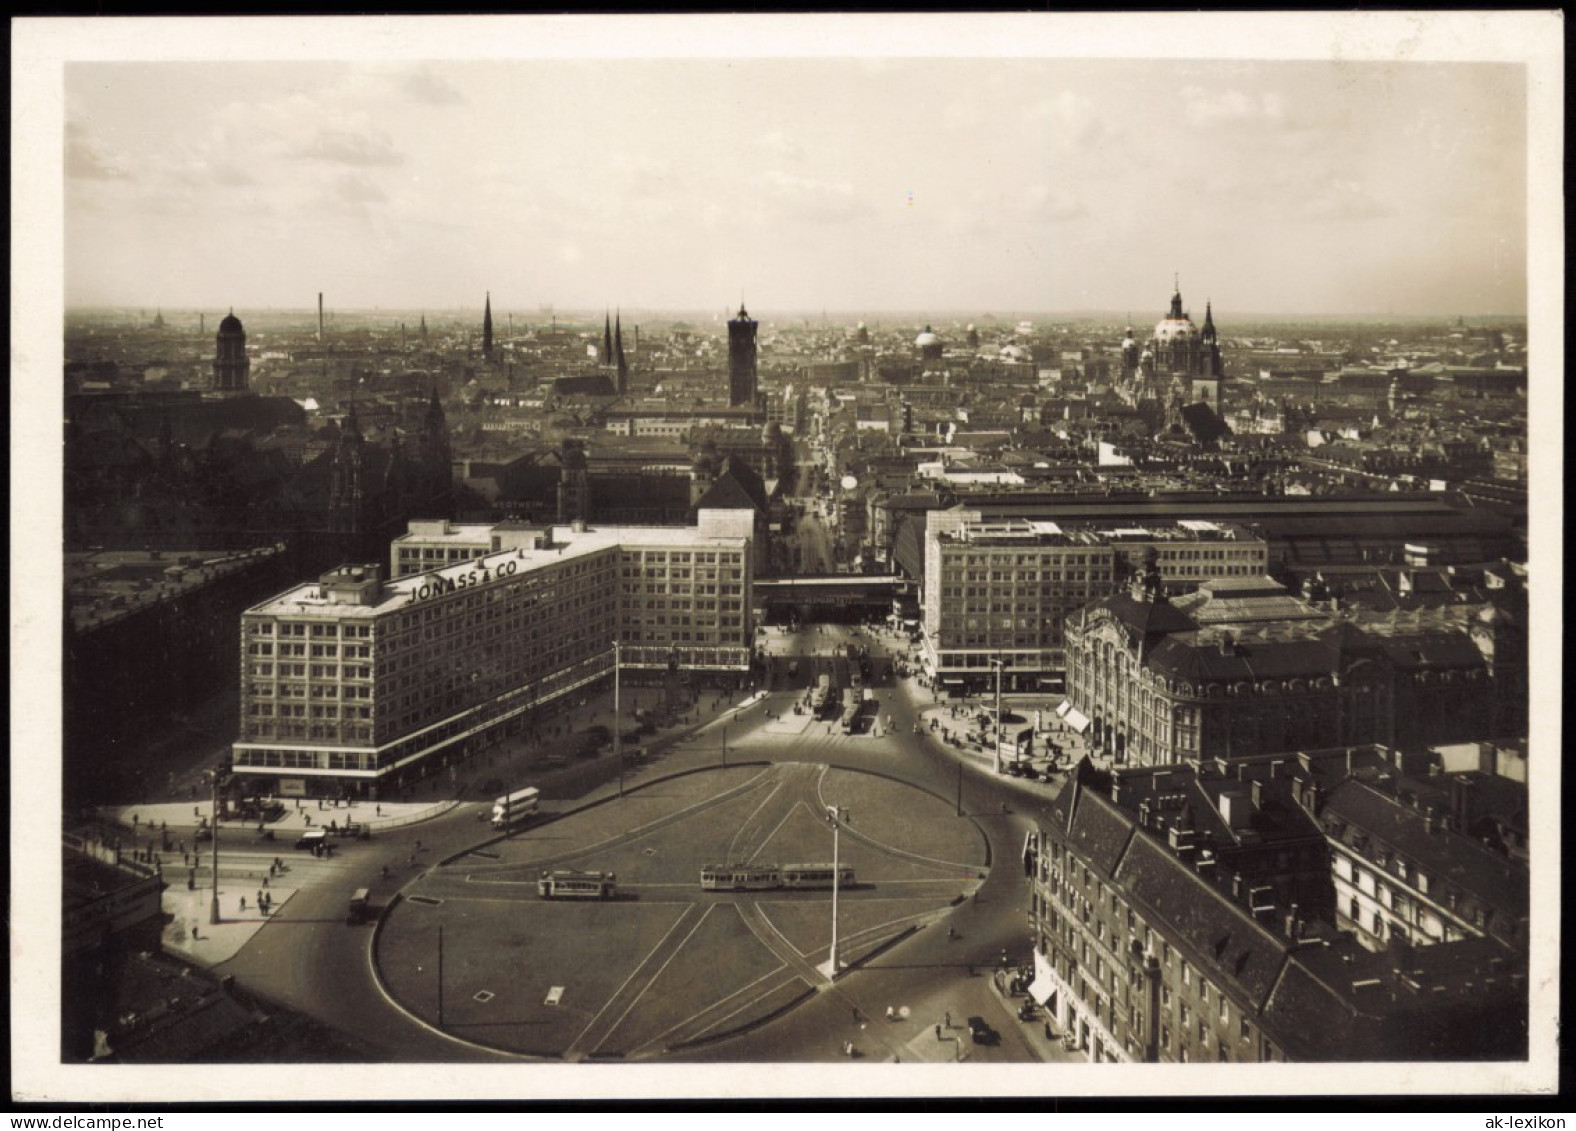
(189, 912)
(182, 817)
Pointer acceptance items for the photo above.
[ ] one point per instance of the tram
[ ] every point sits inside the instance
(576, 885)
(773, 877)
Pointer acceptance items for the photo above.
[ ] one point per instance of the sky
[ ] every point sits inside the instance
(847, 183)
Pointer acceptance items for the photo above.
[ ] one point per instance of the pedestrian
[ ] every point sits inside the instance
(259, 899)
(380, 810)
(243, 903)
(308, 817)
(134, 820)
(891, 1014)
(938, 1032)
(279, 864)
(196, 811)
(949, 1018)
(265, 879)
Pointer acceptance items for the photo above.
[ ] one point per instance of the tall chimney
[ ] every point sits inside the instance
(320, 316)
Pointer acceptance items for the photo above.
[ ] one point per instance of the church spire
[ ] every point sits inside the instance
(1176, 297)
(607, 339)
(1209, 320)
(487, 333)
(618, 356)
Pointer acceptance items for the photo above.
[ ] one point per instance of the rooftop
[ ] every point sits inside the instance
(567, 543)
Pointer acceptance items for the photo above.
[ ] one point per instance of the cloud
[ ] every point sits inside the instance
(1202, 109)
(230, 174)
(432, 88)
(1344, 200)
(85, 161)
(355, 188)
(807, 198)
(350, 147)
(1074, 122)
(1046, 202)
(776, 141)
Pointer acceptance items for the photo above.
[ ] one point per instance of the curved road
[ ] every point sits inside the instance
(307, 958)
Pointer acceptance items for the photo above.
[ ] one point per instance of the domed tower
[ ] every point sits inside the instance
(231, 367)
(928, 345)
(741, 359)
(1177, 342)
(1130, 351)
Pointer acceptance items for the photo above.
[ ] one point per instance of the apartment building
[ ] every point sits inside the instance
(1184, 915)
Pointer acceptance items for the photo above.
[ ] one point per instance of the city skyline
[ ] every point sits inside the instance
(1356, 169)
(857, 183)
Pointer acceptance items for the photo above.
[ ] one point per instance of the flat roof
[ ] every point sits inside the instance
(456, 532)
(307, 599)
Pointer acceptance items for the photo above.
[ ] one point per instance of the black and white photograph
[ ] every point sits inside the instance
(824, 555)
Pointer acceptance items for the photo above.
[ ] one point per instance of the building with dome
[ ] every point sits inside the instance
(928, 345)
(1180, 362)
(231, 367)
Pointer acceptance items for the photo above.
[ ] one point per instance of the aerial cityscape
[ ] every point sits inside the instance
(1005, 562)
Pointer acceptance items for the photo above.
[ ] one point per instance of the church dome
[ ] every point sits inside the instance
(1175, 329)
(926, 338)
(230, 324)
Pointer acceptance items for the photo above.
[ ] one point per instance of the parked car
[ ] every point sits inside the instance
(982, 1033)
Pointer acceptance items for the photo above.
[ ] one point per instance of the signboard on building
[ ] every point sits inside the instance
(292, 787)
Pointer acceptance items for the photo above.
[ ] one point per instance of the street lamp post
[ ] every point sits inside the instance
(996, 754)
(213, 904)
(836, 815)
(618, 724)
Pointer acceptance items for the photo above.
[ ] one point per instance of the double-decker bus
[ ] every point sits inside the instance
(563, 884)
(515, 807)
(771, 877)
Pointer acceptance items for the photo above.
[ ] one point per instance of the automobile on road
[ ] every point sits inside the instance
(981, 1032)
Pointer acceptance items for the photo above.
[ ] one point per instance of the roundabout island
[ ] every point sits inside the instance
(664, 966)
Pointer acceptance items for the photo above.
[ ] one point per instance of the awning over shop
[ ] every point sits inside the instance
(1043, 987)
(1062, 709)
(1077, 720)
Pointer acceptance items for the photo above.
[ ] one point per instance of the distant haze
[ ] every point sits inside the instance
(854, 185)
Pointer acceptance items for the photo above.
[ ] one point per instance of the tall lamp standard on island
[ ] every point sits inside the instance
(836, 815)
(213, 904)
(1000, 729)
(618, 724)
